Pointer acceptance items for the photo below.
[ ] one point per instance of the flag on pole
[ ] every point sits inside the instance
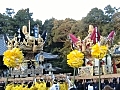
(95, 36)
(111, 35)
(44, 35)
(73, 38)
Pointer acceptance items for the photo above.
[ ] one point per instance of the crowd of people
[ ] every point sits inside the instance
(93, 84)
(61, 83)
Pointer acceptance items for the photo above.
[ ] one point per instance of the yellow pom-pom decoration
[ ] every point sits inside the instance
(98, 51)
(75, 59)
(13, 57)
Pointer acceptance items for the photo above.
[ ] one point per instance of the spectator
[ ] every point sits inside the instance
(107, 87)
(80, 85)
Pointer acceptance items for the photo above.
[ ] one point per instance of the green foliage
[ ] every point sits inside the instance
(95, 16)
(22, 17)
(6, 24)
(116, 20)
(48, 25)
(61, 29)
(80, 29)
(109, 11)
(106, 29)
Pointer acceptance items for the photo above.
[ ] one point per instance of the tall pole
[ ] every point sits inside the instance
(29, 18)
(99, 77)
(74, 78)
(29, 27)
(96, 34)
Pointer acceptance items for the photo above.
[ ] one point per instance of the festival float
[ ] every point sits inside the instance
(115, 53)
(96, 66)
(30, 47)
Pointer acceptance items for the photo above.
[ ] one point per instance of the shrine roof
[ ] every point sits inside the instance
(117, 50)
(3, 46)
(49, 55)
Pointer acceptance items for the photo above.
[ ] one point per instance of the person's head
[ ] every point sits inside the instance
(55, 81)
(88, 80)
(80, 81)
(114, 80)
(107, 87)
(106, 81)
(73, 89)
(41, 79)
(119, 80)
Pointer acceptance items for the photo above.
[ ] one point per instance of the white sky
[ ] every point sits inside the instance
(59, 9)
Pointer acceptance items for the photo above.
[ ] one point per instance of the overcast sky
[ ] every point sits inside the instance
(59, 9)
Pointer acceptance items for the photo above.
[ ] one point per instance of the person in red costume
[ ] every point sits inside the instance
(114, 67)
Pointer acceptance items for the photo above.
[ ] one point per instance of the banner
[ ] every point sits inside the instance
(85, 71)
(26, 72)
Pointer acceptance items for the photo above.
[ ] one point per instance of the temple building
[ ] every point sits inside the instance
(115, 53)
(2, 49)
